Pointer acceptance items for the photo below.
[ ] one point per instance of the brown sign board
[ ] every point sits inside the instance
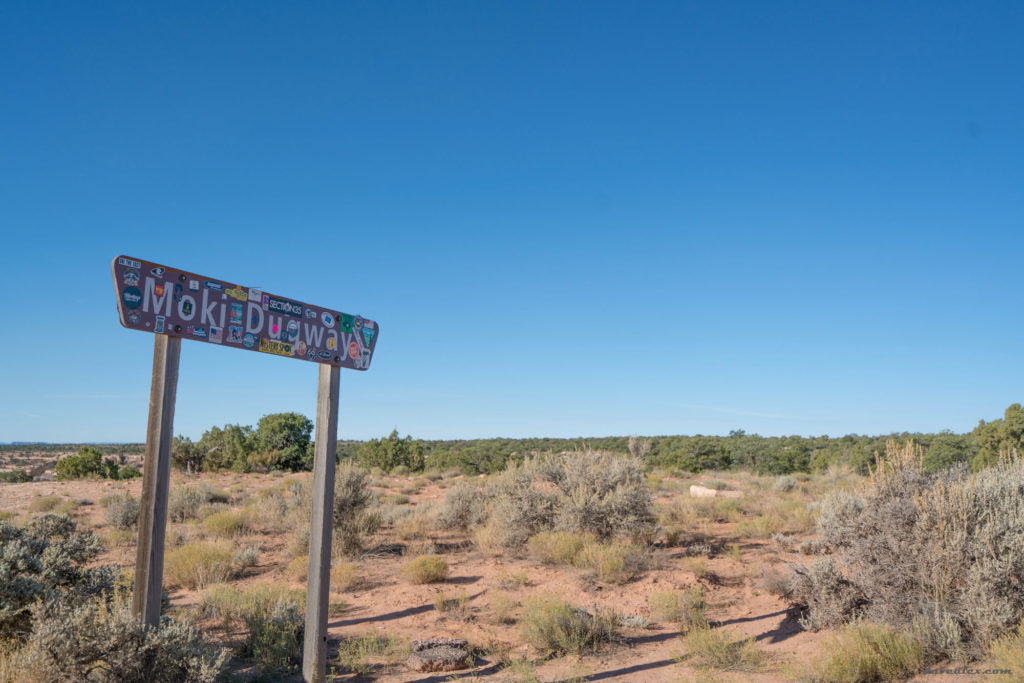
(163, 300)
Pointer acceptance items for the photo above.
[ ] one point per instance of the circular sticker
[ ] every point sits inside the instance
(249, 340)
(134, 317)
(359, 323)
(353, 350)
(131, 276)
(300, 348)
(327, 319)
(132, 297)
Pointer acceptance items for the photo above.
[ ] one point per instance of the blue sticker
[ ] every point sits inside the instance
(311, 314)
(178, 290)
(216, 286)
(368, 335)
(326, 355)
(291, 332)
(159, 272)
(186, 309)
(249, 340)
(235, 334)
(327, 319)
(159, 326)
(132, 297)
(198, 332)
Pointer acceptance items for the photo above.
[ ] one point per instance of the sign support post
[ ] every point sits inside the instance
(174, 304)
(314, 646)
(149, 559)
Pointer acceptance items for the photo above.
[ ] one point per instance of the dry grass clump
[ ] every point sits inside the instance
(361, 655)
(272, 616)
(456, 607)
(614, 562)
(44, 503)
(686, 608)
(784, 483)
(503, 608)
(708, 648)
(345, 577)
(201, 564)
(465, 506)
(558, 547)
(554, 627)
(863, 652)
(355, 513)
(122, 512)
(413, 527)
(942, 554)
(762, 526)
(185, 502)
(228, 523)
(425, 569)
(1007, 653)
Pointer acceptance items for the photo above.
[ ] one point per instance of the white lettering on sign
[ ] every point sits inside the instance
(150, 294)
(314, 334)
(253, 318)
(207, 313)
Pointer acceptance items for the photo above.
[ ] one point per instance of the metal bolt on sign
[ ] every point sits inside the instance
(174, 304)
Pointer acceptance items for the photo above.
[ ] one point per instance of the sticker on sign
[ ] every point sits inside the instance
(247, 318)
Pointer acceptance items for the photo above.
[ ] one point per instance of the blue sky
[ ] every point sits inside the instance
(569, 219)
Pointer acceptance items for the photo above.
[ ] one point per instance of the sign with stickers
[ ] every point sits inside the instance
(164, 300)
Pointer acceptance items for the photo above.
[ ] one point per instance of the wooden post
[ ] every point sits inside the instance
(149, 558)
(314, 646)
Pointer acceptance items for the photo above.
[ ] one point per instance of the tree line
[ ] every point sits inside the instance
(283, 441)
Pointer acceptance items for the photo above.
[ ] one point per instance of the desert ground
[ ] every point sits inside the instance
(736, 547)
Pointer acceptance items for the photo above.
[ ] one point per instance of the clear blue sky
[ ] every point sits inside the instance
(568, 218)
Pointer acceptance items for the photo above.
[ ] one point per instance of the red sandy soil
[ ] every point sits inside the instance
(388, 604)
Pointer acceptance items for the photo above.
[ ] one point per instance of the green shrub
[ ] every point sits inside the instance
(392, 454)
(47, 560)
(425, 569)
(554, 627)
(91, 641)
(122, 511)
(15, 477)
(89, 462)
(940, 553)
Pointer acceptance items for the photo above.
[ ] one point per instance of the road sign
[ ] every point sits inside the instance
(163, 300)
